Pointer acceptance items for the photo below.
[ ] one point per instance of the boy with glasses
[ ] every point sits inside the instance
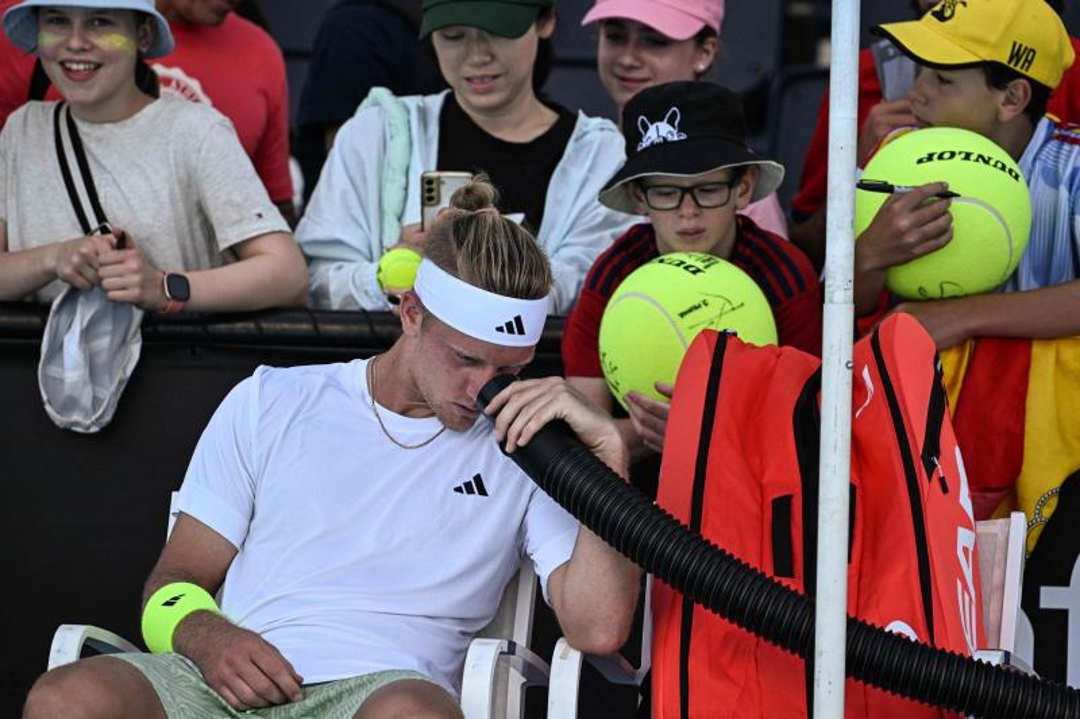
(689, 169)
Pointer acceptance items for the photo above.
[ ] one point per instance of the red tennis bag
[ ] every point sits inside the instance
(740, 466)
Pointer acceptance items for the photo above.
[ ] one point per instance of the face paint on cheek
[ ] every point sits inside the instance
(48, 39)
(119, 43)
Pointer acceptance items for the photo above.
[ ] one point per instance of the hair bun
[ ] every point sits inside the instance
(476, 195)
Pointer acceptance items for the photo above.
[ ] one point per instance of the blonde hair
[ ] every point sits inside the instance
(476, 244)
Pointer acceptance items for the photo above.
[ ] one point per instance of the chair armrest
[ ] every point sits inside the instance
(566, 677)
(565, 681)
(1004, 658)
(479, 680)
(69, 640)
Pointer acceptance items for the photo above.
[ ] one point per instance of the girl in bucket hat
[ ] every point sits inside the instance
(648, 42)
(548, 163)
(170, 173)
(116, 202)
(689, 170)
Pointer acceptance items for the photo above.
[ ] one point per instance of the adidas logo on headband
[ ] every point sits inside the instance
(512, 327)
(477, 312)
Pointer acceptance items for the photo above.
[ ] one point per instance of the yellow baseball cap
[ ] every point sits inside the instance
(1026, 35)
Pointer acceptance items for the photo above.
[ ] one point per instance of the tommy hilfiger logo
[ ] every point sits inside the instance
(473, 486)
(512, 327)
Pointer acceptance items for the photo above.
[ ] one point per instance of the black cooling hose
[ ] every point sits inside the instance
(628, 521)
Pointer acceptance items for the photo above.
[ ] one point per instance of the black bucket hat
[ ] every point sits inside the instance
(685, 129)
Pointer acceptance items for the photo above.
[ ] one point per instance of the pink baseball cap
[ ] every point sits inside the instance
(677, 19)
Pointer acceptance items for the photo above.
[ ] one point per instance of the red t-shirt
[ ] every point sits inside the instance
(236, 67)
(239, 69)
(1064, 104)
(779, 268)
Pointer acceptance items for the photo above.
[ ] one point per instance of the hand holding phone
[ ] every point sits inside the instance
(435, 191)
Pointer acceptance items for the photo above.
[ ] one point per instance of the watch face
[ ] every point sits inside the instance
(177, 287)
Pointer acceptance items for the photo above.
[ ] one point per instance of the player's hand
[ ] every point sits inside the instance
(128, 275)
(885, 117)
(77, 261)
(524, 407)
(906, 227)
(246, 670)
(649, 415)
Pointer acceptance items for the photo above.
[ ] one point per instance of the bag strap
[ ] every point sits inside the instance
(84, 171)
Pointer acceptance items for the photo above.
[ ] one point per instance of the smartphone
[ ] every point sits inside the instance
(896, 71)
(435, 191)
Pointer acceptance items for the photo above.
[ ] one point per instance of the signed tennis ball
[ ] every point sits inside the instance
(661, 306)
(991, 217)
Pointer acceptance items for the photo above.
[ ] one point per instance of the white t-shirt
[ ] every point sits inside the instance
(174, 176)
(356, 555)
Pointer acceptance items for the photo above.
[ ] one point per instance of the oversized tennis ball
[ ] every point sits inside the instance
(661, 306)
(991, 217)
(397, 268)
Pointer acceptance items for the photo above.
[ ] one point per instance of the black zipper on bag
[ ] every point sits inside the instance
(935, 418)
(701, 469)
(783, 549)
(912, 480)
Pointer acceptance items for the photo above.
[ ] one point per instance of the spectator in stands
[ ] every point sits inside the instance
(984, 87)
(311, 498)
(648, 42)
(884, 77)
(690, 184)
(547, 163)
(170, 173)
(249, 87)
(361, 44)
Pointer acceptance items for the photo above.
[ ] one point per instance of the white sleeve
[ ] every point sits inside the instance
(229, 190)
(340, 233)
(576, 227)
(550, 536)
(222, 477)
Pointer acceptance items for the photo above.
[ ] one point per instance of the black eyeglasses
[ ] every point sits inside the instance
(707, 196)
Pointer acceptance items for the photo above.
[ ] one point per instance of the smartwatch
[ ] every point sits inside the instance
(177, 292)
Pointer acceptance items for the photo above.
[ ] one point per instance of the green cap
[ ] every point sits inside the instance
(505, 18)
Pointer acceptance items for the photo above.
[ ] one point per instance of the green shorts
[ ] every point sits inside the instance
(180, 687)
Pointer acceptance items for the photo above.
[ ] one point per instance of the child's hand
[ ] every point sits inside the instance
(649, 415)
(944, 320)
(906, 227)
(883, 119)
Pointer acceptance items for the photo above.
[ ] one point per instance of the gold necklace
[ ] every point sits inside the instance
(378, 418)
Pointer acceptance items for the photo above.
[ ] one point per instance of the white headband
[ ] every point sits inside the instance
(483, 315)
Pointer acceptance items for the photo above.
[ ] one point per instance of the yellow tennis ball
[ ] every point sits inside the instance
(661, 306)
(991, 218)
(397, 268)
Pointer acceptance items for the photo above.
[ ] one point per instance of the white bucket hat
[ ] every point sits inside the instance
(20, 21)
(88, 352)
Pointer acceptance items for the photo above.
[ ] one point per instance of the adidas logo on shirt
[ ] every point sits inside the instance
(473, 486)
(512, 327)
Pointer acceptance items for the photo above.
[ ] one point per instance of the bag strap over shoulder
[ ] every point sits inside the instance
(84, 172)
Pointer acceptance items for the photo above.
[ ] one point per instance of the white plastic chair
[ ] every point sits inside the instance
(498, 666)
(566, 662)
(1001, 545)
